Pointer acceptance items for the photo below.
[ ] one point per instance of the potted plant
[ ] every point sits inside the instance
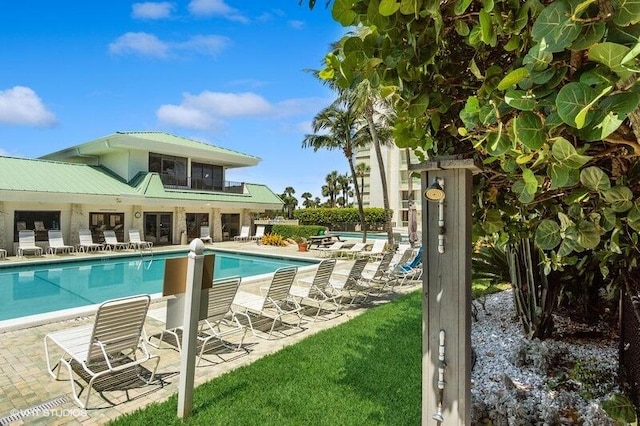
(303, 244)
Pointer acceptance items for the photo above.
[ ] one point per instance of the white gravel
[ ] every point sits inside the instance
(522, 382)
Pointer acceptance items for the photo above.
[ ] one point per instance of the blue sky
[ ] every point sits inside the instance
(227, 72)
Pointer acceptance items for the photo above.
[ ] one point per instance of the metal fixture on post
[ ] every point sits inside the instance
(441, 365)
(435, 193)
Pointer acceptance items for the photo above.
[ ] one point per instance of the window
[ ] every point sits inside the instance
(207, 176)
(39, 221)
(194, 222)
(99, 222)
(172, 170)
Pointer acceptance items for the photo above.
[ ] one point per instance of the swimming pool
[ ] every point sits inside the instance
(49, 287)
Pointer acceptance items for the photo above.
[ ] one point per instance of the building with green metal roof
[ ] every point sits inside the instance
(166, 186)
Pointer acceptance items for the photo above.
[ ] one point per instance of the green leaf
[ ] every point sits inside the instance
(626, 12)
(388, 7)
(591, 34)
(566, 154)
(343, 13)
(547, 236)
(524, 196)
(537, 59)
(588, 235)
(408, 7)
(581, 117)
(620, 198)
(620, 103)
(602, 125)
(611, 55)
(486, 27)
(529, 130)
(461, 6)
(519, 99)
(595, 179)
(492, 222)
(609, 219)
(620, 408)
(461, 27)
(497, 144)
(530, 181)
(572, 99)
(559, 175)
(555, 28)
(633, 217)
(513, 78)
(577, 196)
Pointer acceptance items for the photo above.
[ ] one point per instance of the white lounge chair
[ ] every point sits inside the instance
(259, 233)
(216, 322)
(3, 254)
(111, 241)
(273, 305)
(107, 348)
(27, 243)
(205, 234)
(376, 252)
(350, 287)
(136, 242)
(332, 250)
(86, 242)
(244, 234)
(352, 252)
(56, 242)
(314, 291)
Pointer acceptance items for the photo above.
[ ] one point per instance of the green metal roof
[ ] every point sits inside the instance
(26, 175)
(151, 187)
(161, 142)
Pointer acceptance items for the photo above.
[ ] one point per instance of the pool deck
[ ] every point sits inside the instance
(25, 383)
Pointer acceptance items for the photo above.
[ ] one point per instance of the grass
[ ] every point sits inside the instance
(364, 372)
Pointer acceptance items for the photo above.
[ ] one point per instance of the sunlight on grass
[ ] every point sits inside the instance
(366, 371)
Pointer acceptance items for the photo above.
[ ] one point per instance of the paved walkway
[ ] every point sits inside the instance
(28, 394)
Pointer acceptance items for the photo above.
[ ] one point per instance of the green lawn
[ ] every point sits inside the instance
(364, 372)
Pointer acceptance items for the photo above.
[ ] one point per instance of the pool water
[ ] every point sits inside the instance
(41, 288)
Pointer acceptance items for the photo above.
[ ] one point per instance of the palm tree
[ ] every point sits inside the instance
(344, 185)
(308, 202)
(362, 171)
(330, 190)
(290, 202)
(337, 127)
(376, 112)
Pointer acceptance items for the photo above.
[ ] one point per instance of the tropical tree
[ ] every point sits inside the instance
(330, 190)
(362, 171)
(290, 202)
(308, 202)
(546, 95)
(336, 127)
(344, 183)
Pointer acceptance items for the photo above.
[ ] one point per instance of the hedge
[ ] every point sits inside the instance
(326, 217)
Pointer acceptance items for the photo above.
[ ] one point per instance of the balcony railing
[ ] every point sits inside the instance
(177, 182)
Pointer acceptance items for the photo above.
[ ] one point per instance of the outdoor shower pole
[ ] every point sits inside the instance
(193, 289)
(446, 301)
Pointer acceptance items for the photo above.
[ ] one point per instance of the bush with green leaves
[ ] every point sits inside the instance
(545, 94)
(329, 216)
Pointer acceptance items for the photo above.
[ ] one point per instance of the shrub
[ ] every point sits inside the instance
(273, 240)
(292, 231)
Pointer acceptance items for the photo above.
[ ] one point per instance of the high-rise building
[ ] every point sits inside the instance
(401, 187)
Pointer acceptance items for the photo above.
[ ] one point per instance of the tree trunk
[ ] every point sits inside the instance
(383, 178)
(535, 294)
(363, 224)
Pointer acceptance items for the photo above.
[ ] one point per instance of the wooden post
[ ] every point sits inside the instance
(446, 302)
(190, 327)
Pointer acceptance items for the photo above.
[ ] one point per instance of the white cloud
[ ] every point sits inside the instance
(140, 43)
(152, 10)
(206, 45)
(216, 8)
(149, 45)
(207, 109)
(298, 25)
(22, 106)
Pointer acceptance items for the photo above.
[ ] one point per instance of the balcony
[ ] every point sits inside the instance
(171, 181)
